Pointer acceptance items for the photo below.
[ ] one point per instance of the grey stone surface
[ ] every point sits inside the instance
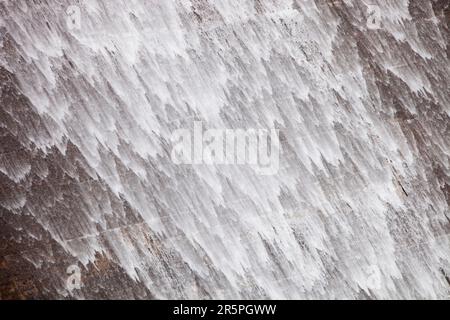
(359, 208)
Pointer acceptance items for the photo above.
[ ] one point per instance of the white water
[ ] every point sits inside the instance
(333, 216)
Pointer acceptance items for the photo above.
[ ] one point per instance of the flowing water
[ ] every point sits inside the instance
(91, 91)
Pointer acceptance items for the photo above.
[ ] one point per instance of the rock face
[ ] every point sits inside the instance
(91, 91)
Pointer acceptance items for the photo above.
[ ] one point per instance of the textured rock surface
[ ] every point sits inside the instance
(358, 209)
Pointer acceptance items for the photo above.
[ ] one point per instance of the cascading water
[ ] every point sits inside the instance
(358, 208)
